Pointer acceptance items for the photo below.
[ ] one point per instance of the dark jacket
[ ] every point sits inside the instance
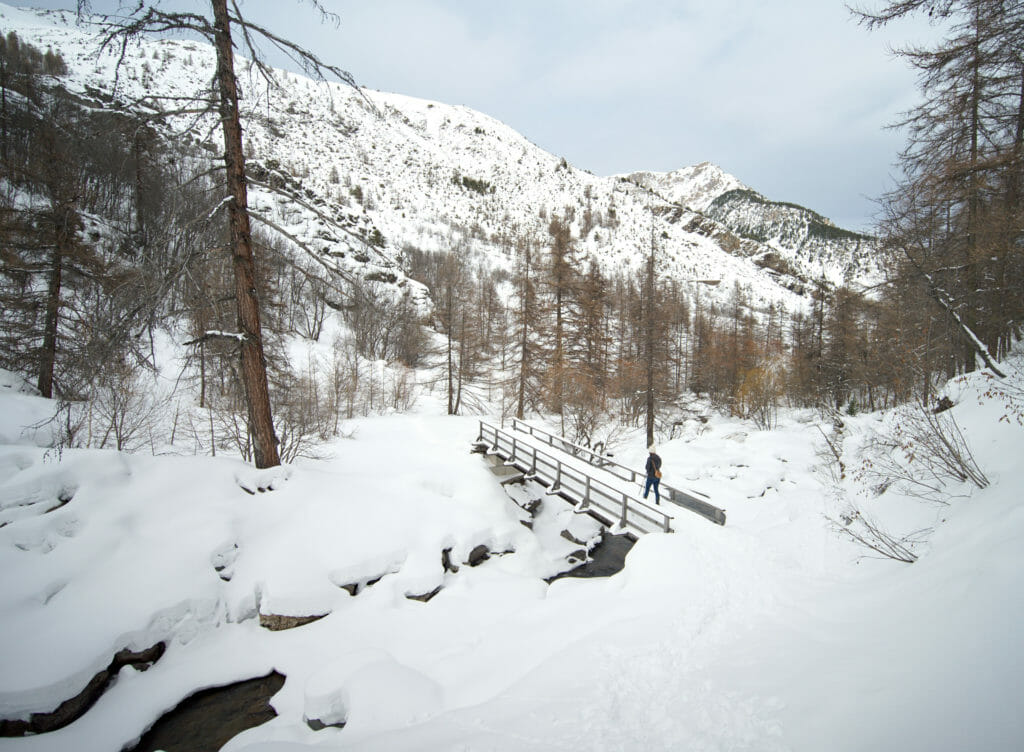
(653, 463)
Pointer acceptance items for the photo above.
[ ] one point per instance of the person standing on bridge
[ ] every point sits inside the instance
(653, 474)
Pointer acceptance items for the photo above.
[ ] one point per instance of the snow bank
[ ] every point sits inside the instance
(771, 633)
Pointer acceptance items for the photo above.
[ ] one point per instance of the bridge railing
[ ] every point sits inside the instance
(587, 492)
(686, 499)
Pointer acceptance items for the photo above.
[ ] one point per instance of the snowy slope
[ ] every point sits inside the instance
(694, 187)
(414, 173)
(801, 238)
(771, 633)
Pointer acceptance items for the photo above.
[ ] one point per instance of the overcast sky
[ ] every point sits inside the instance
(790, 96)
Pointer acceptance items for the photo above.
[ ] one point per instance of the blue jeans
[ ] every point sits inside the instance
(652, 481)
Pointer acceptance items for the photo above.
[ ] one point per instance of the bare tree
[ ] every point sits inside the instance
(560, 279)
(220, 29)
(527, 324)
(923, 453)
(955, 216)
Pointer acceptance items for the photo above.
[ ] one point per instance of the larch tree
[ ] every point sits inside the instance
(527, 324)
(449, 291)
(223, 28)
(653, 350)
(955, 216)
(560, 279)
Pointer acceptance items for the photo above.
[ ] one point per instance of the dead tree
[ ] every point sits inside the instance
(148, 18)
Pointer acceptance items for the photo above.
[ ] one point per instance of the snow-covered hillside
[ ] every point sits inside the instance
(693, 187)
(402, 172)
(800, 238)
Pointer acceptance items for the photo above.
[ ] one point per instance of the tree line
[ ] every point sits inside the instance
(555, 333)
(112, 239)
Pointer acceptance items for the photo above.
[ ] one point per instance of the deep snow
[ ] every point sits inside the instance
(772, 633)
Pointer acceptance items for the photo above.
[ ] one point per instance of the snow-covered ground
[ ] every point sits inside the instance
(771, 633)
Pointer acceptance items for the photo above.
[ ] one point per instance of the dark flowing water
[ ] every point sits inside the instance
(606, 558)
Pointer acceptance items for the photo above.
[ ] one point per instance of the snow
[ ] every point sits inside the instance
(774, 632)
(407, 157)
(771, 633)
(695, 187)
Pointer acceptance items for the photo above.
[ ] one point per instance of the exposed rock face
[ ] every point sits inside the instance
(75, 707)
(278, 622)
(354, 588)
(572, 538)
(207, 720)
(478, 555)
(803, 242)
(317, 725)
(424, 597)
(446, 561)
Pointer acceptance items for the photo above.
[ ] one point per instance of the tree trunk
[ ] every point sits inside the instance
(451, 372)
(3, 108)
(48, 354)
(973, 201)
(649, 344)
(524, 334)
(253, 365)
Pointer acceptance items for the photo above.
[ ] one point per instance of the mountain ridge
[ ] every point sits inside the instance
(411, 173)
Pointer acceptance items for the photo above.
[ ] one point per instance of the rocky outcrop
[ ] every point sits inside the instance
(75, 707)
(279, 622)
(478, 555)
(424, 597)
(207, 720)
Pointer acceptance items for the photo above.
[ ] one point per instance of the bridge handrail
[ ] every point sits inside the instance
(589, 455)
(678, 496)
(554, 471)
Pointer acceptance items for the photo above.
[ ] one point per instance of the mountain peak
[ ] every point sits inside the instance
(694, 187)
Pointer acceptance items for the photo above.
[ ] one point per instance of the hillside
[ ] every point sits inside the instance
(408, 173)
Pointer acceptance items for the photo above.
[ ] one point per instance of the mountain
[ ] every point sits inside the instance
(695, 187)
(791, 228)
(381, 173)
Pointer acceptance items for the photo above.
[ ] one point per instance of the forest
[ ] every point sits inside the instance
(113, 241)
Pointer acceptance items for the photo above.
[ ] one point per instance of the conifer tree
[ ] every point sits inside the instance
(224, 28)
(528, 325)
(560, 280)
(954, 220)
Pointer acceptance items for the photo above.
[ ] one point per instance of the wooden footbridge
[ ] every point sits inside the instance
(589, 480)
